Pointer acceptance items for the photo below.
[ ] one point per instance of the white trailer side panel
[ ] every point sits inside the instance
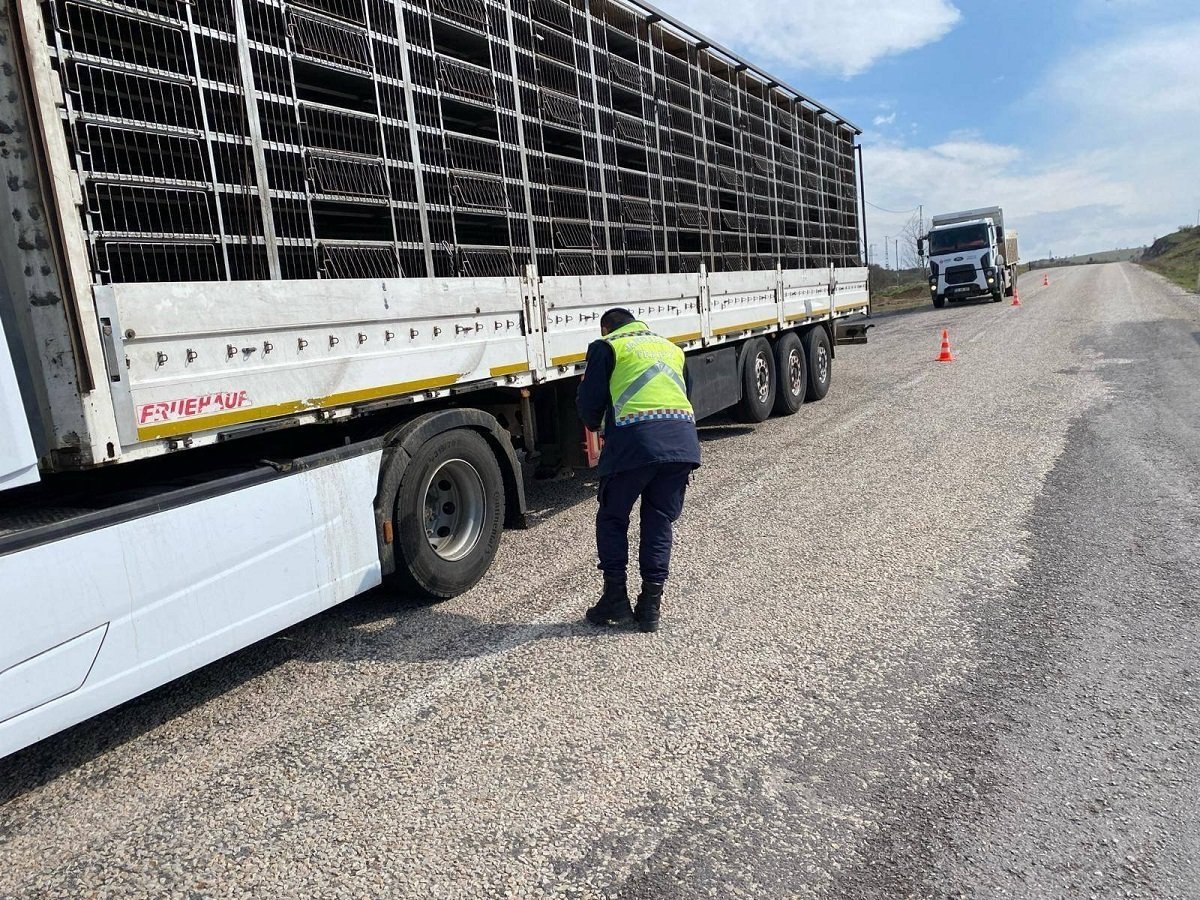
(850, 292)
(212, 355)
(669, 304)
(112, 612)
(195, 360)
(740, 302)
(805, 294)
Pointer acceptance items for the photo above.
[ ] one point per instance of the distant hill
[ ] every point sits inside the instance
(1130, 254)
(1177, 256)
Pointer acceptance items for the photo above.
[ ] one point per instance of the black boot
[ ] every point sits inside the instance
(649, 601)
(613, 608)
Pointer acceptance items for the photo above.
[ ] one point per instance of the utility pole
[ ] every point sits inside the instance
(897, 262)
(920, 234)
(886, 240)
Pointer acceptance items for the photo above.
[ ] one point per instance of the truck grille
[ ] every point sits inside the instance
(960, 275)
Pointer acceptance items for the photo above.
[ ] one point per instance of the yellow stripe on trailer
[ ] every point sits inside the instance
(568, 359)
(511, 369)
(254, 414)
(746, 326)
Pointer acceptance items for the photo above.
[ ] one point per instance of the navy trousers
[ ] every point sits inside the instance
(661, 488)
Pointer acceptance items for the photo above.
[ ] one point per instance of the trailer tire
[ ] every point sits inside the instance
(758, 382)
(820, 363)
(791, 374)
(939, 301)
(448, 516)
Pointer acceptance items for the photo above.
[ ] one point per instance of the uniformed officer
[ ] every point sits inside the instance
(636, 388)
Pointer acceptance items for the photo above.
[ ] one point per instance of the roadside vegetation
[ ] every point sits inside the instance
(1177, 257)
(893, 290)
(1129, 254)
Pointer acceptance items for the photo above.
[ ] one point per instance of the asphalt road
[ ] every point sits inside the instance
(936, 636)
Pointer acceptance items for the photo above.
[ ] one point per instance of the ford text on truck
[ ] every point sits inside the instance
(293, 291)
(971, 255)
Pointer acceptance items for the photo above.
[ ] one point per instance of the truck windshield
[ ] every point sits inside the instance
(957, 240)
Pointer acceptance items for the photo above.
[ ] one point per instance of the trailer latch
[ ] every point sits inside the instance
(851, 332)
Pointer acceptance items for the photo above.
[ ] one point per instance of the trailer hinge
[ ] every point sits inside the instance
(111, 358)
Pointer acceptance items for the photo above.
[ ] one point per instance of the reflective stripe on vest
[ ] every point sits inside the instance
(647, 382)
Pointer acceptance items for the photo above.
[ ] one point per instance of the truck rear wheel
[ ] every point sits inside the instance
(791, 374)
(448, 516)
(758, 383)
(820, 363)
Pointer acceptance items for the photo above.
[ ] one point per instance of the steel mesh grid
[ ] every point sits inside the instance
(311, 148)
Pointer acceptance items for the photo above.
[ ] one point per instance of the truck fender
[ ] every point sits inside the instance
(402, 443)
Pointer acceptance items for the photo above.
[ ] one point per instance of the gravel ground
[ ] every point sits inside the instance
(933, 637)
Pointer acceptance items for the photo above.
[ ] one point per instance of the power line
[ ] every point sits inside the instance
(897, 212)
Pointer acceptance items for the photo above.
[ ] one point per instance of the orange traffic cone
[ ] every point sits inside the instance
(1046, 280)
(1016, 296)
(945, 355)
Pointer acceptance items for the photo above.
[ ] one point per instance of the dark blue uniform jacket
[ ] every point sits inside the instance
(632, 446)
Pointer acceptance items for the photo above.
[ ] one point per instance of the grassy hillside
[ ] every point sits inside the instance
(1177, 256)
(1131, 254)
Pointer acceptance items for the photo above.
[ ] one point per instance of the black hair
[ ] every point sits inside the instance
(615, 318)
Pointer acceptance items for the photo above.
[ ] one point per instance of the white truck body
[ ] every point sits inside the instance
(161, 504)
(971, 255)
(102, 609)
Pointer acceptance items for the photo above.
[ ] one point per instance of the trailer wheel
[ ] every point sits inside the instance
(939, 301)
(448, 515)
(791, 374)
(820, 363)
(758, 383)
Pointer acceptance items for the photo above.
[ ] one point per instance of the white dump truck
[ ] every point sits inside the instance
(971, 255)
(293, 294)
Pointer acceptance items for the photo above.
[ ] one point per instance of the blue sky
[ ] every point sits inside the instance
(1080, 117)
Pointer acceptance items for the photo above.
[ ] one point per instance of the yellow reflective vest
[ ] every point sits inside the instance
(647, 382)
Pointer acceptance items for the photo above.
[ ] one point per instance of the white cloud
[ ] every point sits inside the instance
(970, 174)
(842, 38)
(884, 120)
(1131, 83)
(1120, 166)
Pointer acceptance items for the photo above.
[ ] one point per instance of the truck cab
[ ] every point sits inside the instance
(969, 257)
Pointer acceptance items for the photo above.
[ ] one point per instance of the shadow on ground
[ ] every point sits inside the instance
(380, 625)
